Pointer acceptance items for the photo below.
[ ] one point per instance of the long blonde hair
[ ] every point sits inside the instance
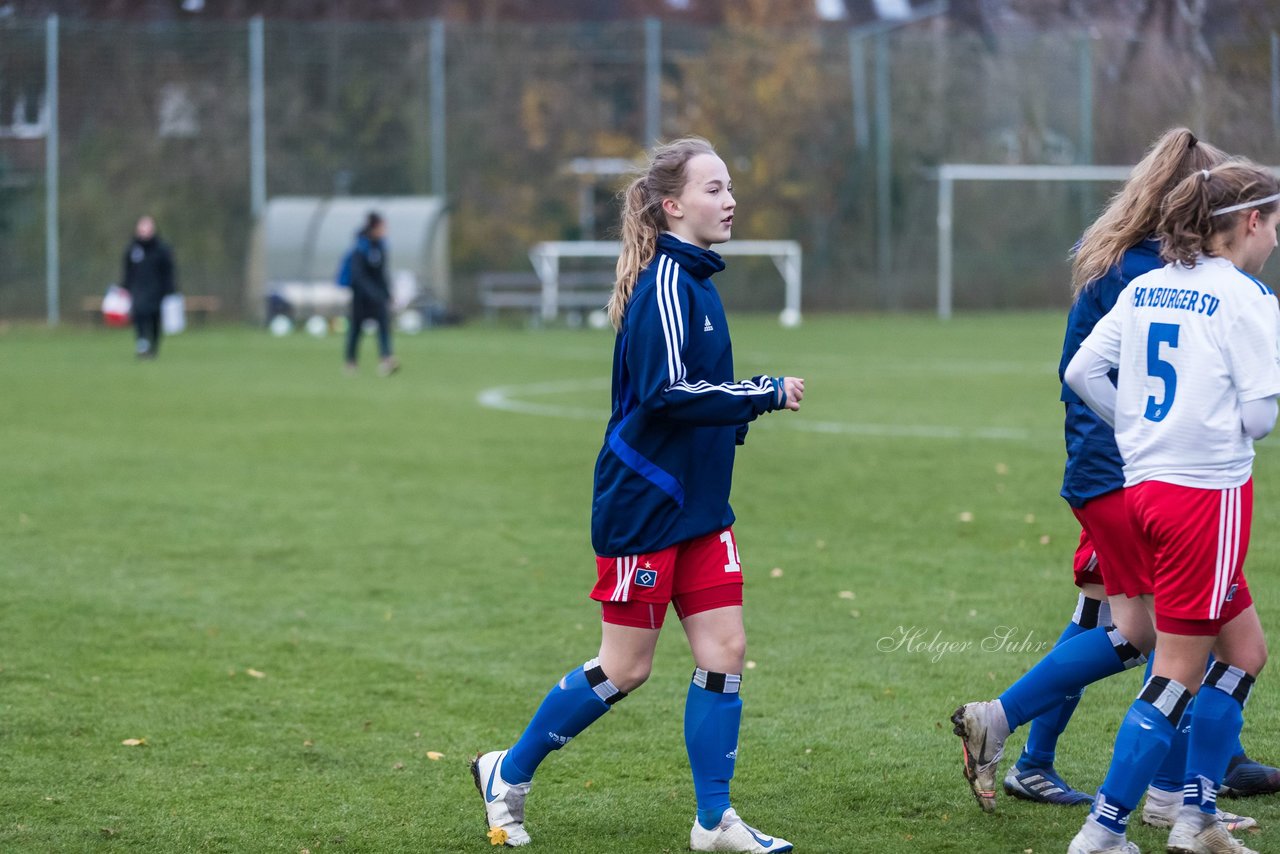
(1188, 224)
(663, 177)
(1133, 213)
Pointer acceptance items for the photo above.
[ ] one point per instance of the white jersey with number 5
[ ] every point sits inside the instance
(1191, 346)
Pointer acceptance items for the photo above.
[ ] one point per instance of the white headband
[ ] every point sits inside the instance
(1253, 204)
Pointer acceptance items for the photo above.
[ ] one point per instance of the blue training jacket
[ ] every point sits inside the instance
(1094, 466)
(663, 474)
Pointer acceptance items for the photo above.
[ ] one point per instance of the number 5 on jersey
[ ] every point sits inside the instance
(1161, 333)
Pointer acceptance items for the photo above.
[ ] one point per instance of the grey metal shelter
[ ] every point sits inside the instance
(299, 242)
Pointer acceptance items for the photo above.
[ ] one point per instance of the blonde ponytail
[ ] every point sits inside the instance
(639, 243)
(663, 177)
(1133, 213)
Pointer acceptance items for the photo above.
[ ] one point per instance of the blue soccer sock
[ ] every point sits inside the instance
(1215, 731)
(1042, 739)
(1066, 670)
(1237, 749)
(577, 700)
(712, 716)
(1141, 745)
(1173, 771)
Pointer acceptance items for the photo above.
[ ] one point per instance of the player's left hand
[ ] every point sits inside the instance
(793, 388)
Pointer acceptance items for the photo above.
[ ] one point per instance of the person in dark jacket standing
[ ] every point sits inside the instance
(148, 277)
(370, 294)
(661, 525)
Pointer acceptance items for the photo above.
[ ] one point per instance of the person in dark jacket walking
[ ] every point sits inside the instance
(370, 294)
(661, 524)
(148, 277)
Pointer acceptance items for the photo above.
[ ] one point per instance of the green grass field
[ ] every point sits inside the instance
(298, 587)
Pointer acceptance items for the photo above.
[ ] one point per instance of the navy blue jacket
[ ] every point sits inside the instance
(663, 474)
(369, 272)
(148, 273)
(1093, 465)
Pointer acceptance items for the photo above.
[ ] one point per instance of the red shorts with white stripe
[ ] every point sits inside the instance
(1085, 562)
(696, 575)
(1195, 541)
(1107, 532)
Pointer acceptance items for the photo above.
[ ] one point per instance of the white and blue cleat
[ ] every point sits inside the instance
(503, 802)
(734, 834)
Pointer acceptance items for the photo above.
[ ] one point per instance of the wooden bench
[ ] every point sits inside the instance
(198, 307)
(578, 291)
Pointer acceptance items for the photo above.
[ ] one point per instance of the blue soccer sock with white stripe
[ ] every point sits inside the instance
(1066, 670)
(1042, 739)
(577, 700)
(1215, 732)
(712, 717)
(1141, 745)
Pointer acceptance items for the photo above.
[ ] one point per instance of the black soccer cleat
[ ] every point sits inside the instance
(1246, 778)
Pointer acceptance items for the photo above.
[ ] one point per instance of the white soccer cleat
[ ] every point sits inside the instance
(734, 834)
(1082, 845)
(983, 739)
(1158, 813)
(1192, 835)
(503, 802)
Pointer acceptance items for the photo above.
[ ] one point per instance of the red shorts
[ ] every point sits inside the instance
(695, 576)
(1085, 562)
(1195, 541)
(1119, 564)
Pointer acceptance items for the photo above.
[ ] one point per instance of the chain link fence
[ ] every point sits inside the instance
(832, 139)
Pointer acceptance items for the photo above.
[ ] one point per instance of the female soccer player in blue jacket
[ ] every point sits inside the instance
(661, 525)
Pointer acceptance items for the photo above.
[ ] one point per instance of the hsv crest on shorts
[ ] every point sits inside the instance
(646, 577)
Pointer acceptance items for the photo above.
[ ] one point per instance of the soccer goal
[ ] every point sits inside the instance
(545, 257)
(950, 173)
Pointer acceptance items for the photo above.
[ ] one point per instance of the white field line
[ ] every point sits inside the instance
(512, 399)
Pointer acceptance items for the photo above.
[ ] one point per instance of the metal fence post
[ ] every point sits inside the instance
(439, 175)
(858, 83)
(51, 168)
(1085, 156)
(257, 119)
(884, 167)
(1275, 81)
(652, 81)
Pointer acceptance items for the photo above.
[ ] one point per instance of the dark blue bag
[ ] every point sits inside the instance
(344, 268)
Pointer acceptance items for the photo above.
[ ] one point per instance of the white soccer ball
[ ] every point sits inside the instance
(598, 320)
(410, 322)
(280, 326)
(317, 326)
(789, 318)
